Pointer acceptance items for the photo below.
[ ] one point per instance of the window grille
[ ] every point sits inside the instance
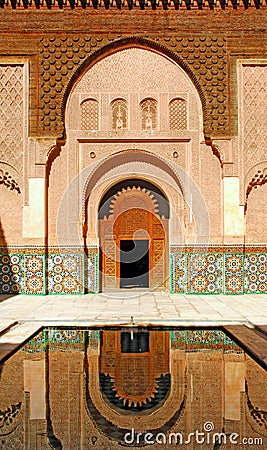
(178, 114)
(90, 115)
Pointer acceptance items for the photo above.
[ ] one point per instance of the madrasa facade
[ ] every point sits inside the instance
(133, 143)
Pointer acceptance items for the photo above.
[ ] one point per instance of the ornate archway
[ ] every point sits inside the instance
(133, 233)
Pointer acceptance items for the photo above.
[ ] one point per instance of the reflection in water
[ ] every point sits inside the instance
(77, 389)
(134, 369)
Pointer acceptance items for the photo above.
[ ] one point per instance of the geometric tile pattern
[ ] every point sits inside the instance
(202, 340)
(91, 269)
(34, 274)
(218, 272)
(255, 273)
(230, 346)
(11, 273)
(206, 273)
(36, 344)
(71, 335)
(179, 272)
(58, 339)
(65, 274)
(94, 338)
(74, 339)
(233, 275)
(213, 272)
(22, 274)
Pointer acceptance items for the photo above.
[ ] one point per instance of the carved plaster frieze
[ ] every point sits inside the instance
(64, 58)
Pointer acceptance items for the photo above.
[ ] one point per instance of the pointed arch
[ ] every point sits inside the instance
(123, 44)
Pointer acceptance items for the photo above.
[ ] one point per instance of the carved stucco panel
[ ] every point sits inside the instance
(204, 58)
(252, 118)
(12, 97)
(254, 113)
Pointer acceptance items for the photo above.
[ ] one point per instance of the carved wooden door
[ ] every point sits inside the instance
(134, 217)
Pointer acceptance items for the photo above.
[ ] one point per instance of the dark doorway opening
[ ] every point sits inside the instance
(134, 264)
(135, 342)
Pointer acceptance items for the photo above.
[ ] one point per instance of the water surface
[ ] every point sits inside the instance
(108, 389)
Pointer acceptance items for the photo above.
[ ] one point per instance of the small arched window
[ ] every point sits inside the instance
(178, 114)
(90, 114)
(119, 114)
(149, 114)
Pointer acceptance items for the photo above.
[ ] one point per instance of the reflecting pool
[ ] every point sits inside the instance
(113, 388)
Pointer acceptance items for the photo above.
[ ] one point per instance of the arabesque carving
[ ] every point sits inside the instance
(64, 58)
(60, 58)
(254, 112)
(11, 114)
